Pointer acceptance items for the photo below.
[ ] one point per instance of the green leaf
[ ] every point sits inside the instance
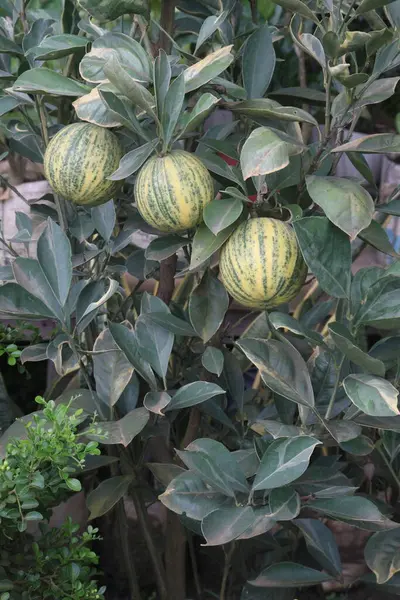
(391, 208)
(205, 243)
(41, 80)
(381, 303)
(327, 252)
(124, 430)
(269, 109)
(366, 5)
(308, 94)
(133, 160)
(155, 402)
(74, 485)
(379, 143)
(206, 69)
(355, 510)
(321, 544)
(233, 379)
(31, 277)
(188, 494)
(331, 44)
(284, 504)
(172, 109)
(362, 282)
(219, 214)
(165, 472)
(345, 202)
(208, 470)
(128, 52)
(282, 368)
(210, 26)
(208, 304)
(204, 105)
(58, 46)
(112, 371)
(123, 110)
(376, 236)
(165, 246)
(391, 443)
(34, 515)
(104, 10)
(194, 393)
(312, 46)
(226, 524)
(128, 86)
(225, 460)
(107, 494)
(346, 344)
(284, 461)
(54, 257)
(162, 79)
(262, 522)
(126, 340)
(373, 395)
(103, 218)
(250, 592)
(16, 302)
(343, 431)
(265, 151)
(87, 310)
(382, 554)
(275, 428)
(258, 62)
(288, 574)
(171, 323)
(155, 344)
(213, 360)
(359, 446)
(7, 46)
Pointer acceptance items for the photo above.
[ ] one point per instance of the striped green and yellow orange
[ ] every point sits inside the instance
(261, 265)
(78, 160)
(171, 191)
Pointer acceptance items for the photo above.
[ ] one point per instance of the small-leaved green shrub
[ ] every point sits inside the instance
(37, 473)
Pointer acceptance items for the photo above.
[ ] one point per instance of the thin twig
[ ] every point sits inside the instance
(9, 247)
(13, 189)
(227, 567)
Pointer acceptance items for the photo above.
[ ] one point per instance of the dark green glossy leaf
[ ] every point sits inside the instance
(126, 340)
(258, 62)
(288, 574)
(321, 544)
(391, 208)
(344, 341)
(155, 402)
(162, 79)
(208, 304)
(194, 393)
(226, 524)
(54, 257)
(58, 46)
(208, 470)
(188, 494)
(266, 151)
(204, 105)
(206, 69)
(7, 46)
(213, 360)
(232, 377)
(41, 80)
(165, 246)
(155, 344)
(172, 109)
(282, 368)
(31, 277)
(382, 554)
(270, 109)
(103, 218)
(284, 504)
(122, 431)
(345, 202)
(205, 243)
(359, 446)
(379, 143)
(171, 323)
(219, 214)
(376, 236)
(107, 494)
(131, 162)
(284, 461)
(373, 395)
(327, 252)
(355, 510)
(112, 371)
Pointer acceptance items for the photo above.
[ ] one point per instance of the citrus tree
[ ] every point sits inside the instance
(252, 437)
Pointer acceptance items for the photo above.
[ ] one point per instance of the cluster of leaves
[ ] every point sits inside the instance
(171, 372)
(37, 473)
(10, 338)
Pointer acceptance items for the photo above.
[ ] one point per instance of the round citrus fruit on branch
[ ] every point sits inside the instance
(171, 191)
(78, 160)
(261, 265)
